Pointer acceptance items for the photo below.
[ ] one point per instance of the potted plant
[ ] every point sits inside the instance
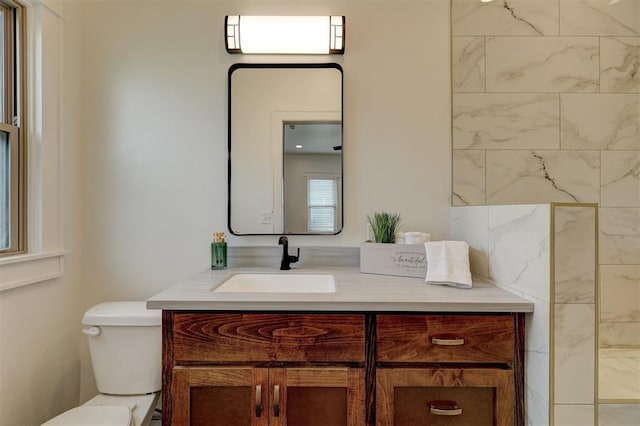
(384, 226)
(384, 257)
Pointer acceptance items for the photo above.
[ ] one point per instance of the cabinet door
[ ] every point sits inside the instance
(447, 396)
(316, 396)
(225, 396)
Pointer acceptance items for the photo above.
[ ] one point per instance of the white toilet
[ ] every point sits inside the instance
(125, 342)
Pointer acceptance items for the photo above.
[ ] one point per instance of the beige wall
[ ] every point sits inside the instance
(154, 90)
(40, 322)
(144, 154)
(154, 114)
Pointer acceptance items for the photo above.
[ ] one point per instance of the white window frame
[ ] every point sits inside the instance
(328, 177)
(43, 54)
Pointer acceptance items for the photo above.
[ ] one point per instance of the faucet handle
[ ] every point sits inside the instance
(297, 257)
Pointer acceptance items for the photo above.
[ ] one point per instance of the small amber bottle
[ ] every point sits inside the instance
(218, 251)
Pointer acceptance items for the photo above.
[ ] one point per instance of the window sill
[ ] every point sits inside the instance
(21, 270)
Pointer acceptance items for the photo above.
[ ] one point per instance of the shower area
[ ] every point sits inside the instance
(546, 108)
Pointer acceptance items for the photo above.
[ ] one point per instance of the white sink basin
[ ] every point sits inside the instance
(278, 283)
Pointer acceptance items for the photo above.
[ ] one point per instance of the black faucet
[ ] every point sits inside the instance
(287, 260)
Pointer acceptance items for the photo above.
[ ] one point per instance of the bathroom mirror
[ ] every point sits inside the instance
(285, 149)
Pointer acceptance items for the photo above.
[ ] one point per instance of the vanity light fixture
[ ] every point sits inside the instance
(285, 34)
(299, 146)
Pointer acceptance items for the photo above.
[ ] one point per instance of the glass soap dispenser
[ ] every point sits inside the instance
(218, 251)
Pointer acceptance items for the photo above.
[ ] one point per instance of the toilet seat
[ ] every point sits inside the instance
(110, 410)
(94, 415)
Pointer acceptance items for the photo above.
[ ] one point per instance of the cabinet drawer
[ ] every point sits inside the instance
(438, 397)
(445, 338)
(202, 337)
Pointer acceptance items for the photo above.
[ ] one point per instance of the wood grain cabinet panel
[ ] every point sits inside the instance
(248, 396)
(445, 338)
(230, 337)
(442, 396)
(342, 369)
(210, 396)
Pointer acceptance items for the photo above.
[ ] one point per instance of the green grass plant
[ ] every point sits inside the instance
(385, 226)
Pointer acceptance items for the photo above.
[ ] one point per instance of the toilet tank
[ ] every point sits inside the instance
(125, 342)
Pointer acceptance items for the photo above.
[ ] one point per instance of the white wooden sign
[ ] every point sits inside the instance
(404, 260)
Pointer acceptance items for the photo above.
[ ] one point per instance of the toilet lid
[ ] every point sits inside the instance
(93, 415)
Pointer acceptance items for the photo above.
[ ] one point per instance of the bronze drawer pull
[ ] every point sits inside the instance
(444, 408)
(449, 341)
(276, 401)
(258, 400)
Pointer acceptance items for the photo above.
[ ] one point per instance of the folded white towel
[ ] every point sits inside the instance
(448, 263)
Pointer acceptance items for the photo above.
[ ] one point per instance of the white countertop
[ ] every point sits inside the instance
(355, 292)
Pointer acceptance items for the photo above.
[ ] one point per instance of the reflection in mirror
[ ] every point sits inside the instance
(285, 149)
(312, 177)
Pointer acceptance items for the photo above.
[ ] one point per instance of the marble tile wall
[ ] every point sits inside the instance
(619, 375)
(618, 414)
(511, 246)
(574, 362)
(546, 108)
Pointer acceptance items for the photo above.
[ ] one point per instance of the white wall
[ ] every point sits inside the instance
(143, 147)
(155, 126)
(154, 93)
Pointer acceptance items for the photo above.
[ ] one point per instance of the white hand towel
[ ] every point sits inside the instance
(448, 263)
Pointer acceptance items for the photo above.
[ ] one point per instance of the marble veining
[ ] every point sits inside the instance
(600, 121)
(468, 177)
(599, 17)
(542, 176)
(620, 182)
(620, 293)
(542, 64)
(519, 248)
(468, 64)
(537, 349)
(619, 240)
(620, 64)
(506, 121)
(619, 334)
(574, 361)
(575, 254)
(618, 414)
(619, 371)
(505, 17)
(537, 409)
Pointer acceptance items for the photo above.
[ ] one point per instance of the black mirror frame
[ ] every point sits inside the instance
(237, 66)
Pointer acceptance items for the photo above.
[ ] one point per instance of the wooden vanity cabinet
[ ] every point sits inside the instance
(229, 368)
(254, 369)
(454, 370)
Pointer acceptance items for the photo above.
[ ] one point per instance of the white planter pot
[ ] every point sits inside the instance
(404, 260)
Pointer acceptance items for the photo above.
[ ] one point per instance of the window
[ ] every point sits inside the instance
(322, 200)
(12, 140)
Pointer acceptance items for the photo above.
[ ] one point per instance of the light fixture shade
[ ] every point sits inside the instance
(285, 34)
